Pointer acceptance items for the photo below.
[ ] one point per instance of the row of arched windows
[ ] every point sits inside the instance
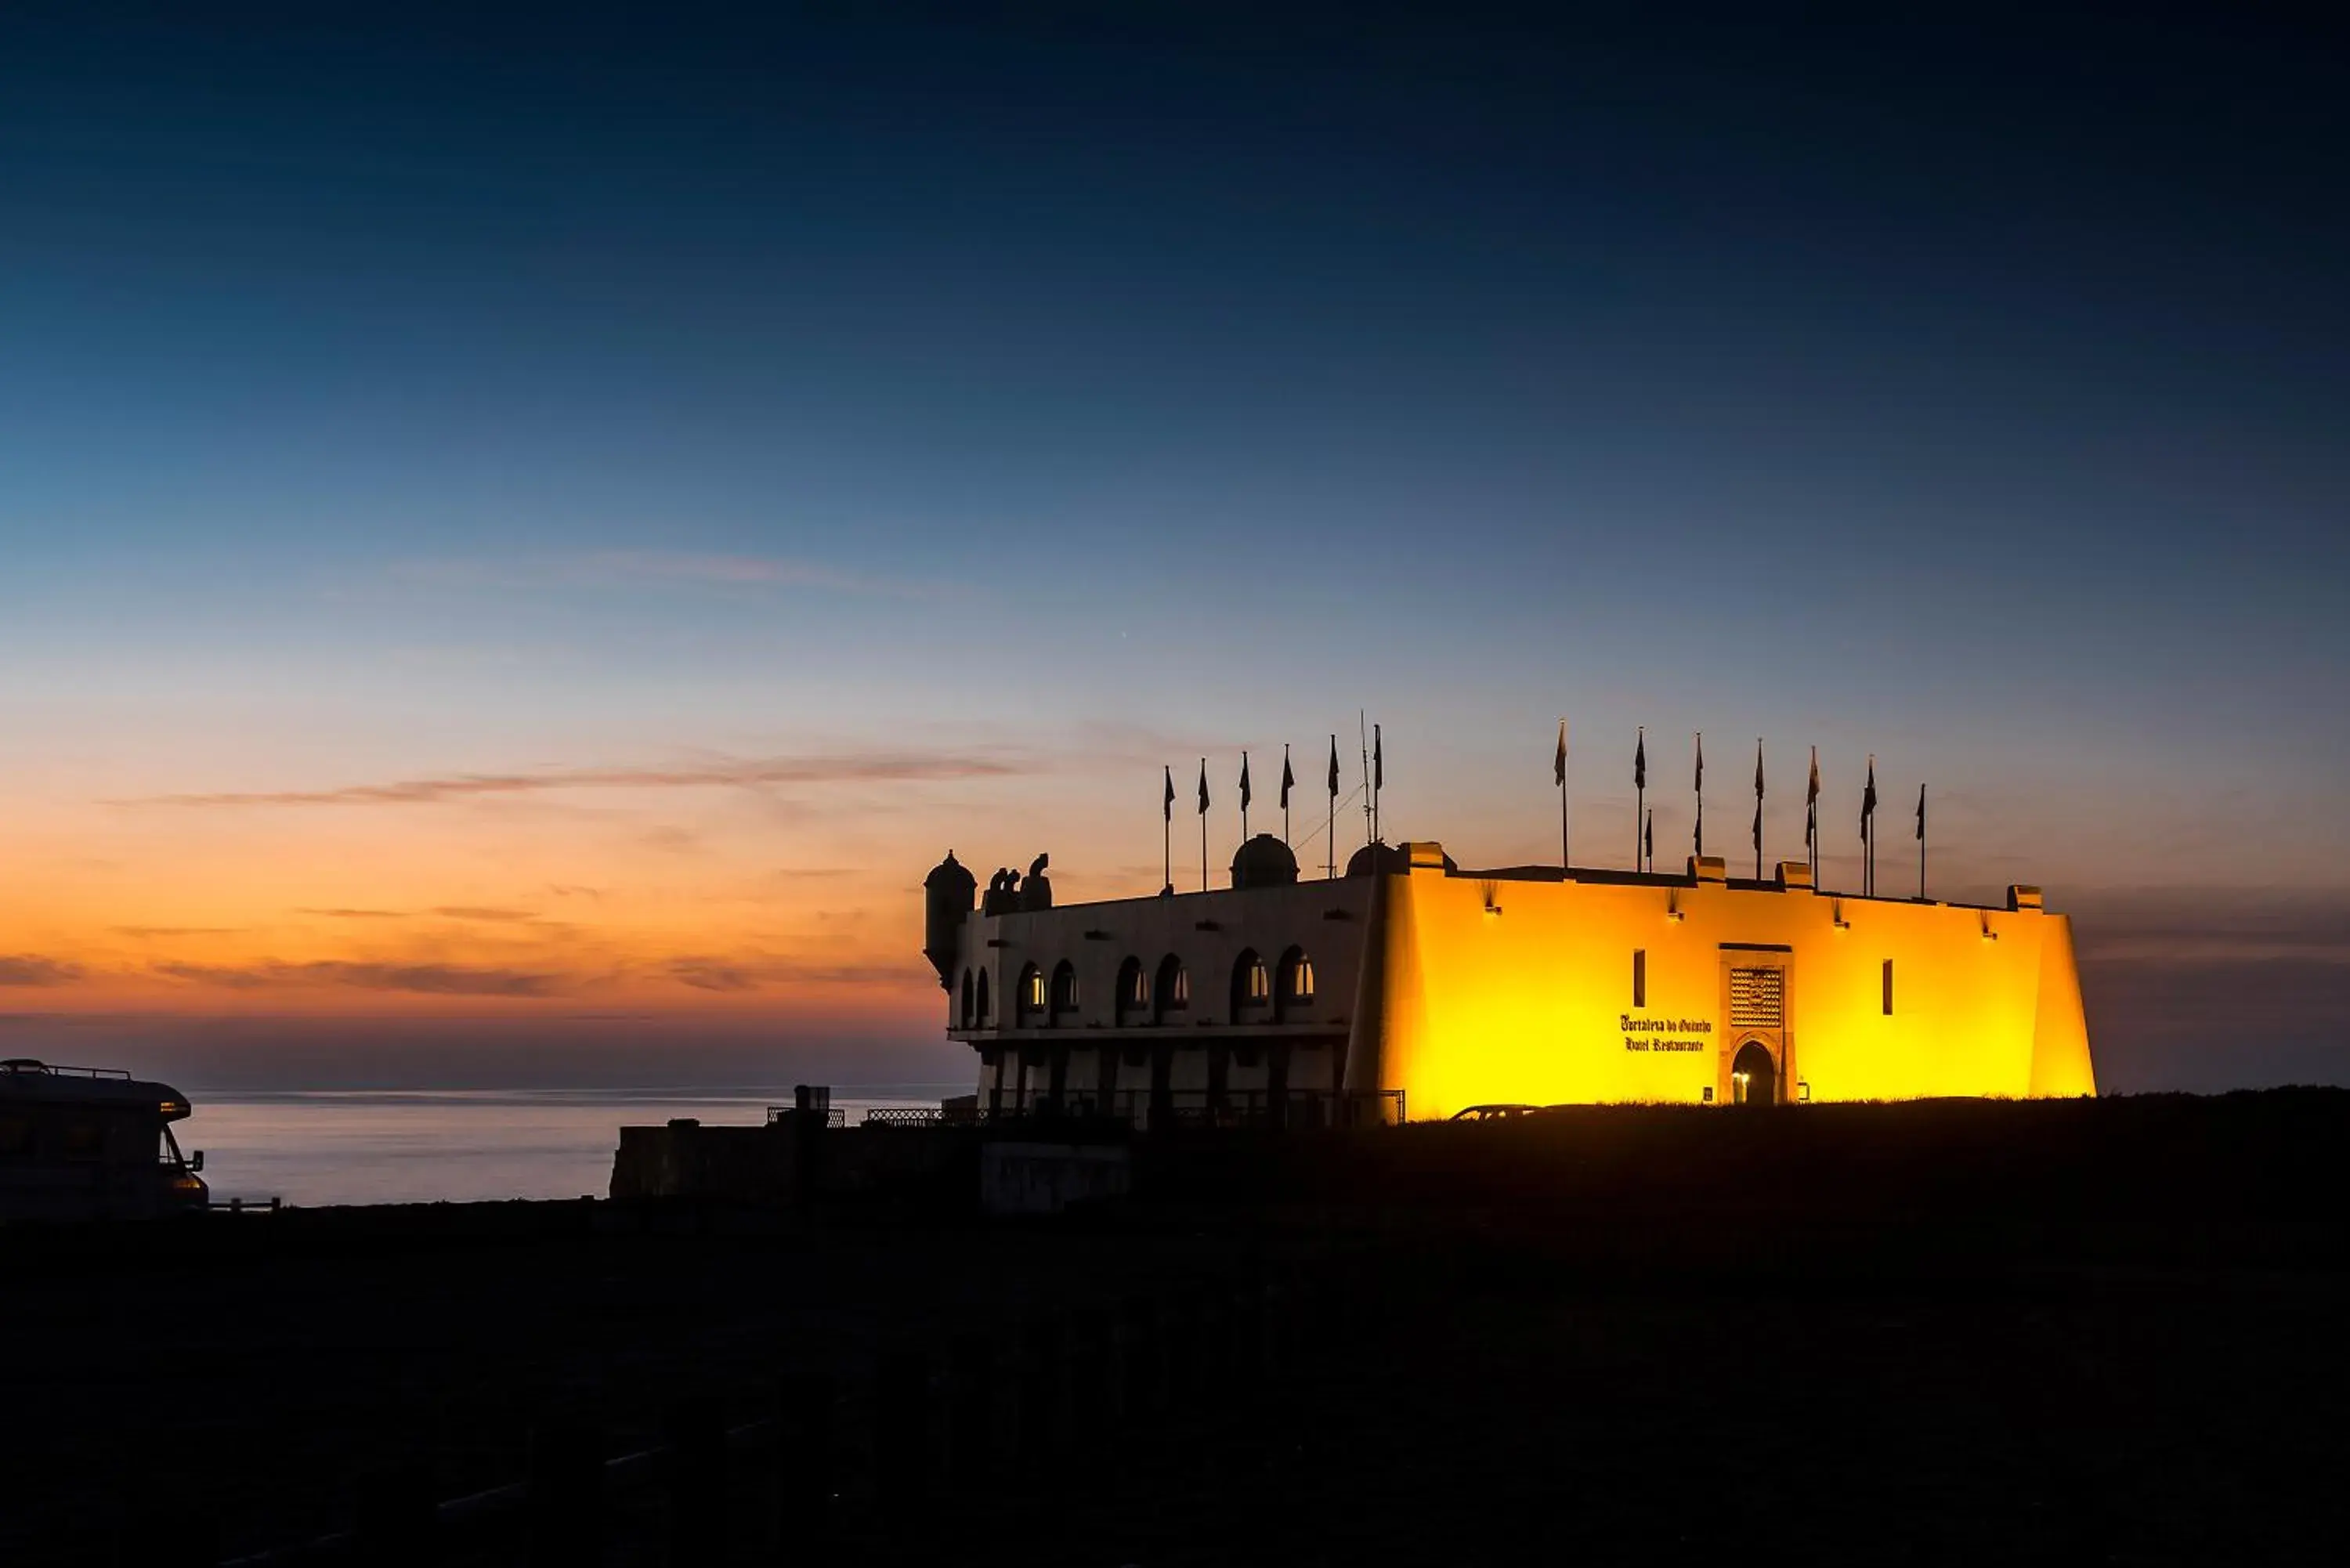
(1259, 994)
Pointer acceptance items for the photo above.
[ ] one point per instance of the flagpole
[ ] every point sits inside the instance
(1921, 844)
(1284, 791)
(1203, 825)
(1639, 799)
(1363, 732)
(1332, 846)
(1700, 840)
(1565, 850)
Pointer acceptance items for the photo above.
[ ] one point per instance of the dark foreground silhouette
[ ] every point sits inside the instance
(1959, 1332)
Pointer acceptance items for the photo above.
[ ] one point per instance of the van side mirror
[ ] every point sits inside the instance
(196, 1160)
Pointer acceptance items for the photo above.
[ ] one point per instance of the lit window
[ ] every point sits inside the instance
(1180, 995)
(1640, 977)
(1305, 979)
(1260, 985)
(1036, 989)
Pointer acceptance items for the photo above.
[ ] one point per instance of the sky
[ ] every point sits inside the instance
(525, 535)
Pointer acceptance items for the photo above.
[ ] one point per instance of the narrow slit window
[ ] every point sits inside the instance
(1640, 977)
(1888, 988)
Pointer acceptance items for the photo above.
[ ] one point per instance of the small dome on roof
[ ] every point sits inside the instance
(1387, 859)
(1263, 861)
(952, 872)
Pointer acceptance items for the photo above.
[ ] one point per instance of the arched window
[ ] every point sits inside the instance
(966, 999)
(1028, 1001)
(1064, 988)
(1252, 986)
(1295, 991)
(1133, 992)
(1173, 991)
(982, 999)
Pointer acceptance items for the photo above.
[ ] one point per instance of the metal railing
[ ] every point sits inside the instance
(834, 1117)
(28, 1065)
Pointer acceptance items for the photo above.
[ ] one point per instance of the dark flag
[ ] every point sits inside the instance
(1758, 808)
(1652, 841)
(1244, 783)
(1204, 786)
(1288, 779)
(1921, 814)
(1378, 762)
(1558, 758)
(1869, 833)
(1812, 804)
(1167, 806)
(1640, 762)
(1334, 767)
(1701, 763)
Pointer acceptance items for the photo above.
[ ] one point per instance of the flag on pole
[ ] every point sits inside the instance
(1651, 837)
(1288, 779)
(1758, 807)
(1558, 760)
(1640, 760)
(1868, 800)
(1244, 785)
(1167, 806)
(1334, 767)
(1378, 762)
(1921, 814)
(1701, 793)
(1812, 804)
(1204, 786)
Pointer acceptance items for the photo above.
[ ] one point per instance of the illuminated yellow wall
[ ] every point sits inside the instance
(1518, 992)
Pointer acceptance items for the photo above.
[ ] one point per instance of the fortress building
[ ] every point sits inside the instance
(1410, 987)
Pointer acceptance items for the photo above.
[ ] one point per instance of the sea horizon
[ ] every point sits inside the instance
(324, 1148)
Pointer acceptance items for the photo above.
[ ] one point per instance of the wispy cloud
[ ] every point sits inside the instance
(483, 912)
(424, 978)
(609, 569)
(756, 972)
(32, 968)
(356, 914)
(144, 933)
(874, 767)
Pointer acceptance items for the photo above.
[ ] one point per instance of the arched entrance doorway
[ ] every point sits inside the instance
(1753, 1078)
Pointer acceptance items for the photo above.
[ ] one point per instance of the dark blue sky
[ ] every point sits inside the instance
(1970, 393)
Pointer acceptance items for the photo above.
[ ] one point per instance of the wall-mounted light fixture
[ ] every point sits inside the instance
(1492, 897)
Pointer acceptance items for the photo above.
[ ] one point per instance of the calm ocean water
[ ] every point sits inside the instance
(457, 1145)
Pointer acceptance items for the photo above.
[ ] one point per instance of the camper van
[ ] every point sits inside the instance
(91, 1143)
